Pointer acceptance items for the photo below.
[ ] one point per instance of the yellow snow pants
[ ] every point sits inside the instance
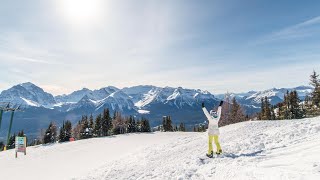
(216, 141)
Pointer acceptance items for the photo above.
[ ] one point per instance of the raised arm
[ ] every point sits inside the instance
(219, 110)
(205, 111)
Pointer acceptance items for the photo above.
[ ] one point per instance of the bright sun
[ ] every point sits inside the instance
(81, 12)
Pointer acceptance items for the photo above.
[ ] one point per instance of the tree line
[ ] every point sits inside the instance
(168, 127)
(292, 107)
(87, 127)
(100, 126)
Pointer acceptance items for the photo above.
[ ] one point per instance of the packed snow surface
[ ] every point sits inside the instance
(252, 150)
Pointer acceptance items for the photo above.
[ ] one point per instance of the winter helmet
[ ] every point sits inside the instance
(214, 114)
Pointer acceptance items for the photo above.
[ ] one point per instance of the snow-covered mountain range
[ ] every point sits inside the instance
(27, 94)
(183, 105)
(152, 102)
(275, 95)
(129, 98)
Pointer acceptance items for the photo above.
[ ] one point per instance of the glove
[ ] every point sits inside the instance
(202, 105)
(221, 102)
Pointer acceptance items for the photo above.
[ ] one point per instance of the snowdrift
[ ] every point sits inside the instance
(287, 149)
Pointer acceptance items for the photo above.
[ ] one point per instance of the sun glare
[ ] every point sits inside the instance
(81, 11)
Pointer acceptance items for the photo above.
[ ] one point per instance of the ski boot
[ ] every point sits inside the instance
(210, 155)
(219, 152)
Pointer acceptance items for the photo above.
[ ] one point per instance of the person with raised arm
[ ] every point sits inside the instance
(213, 129)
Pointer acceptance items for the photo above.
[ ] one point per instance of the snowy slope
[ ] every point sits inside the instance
(252, 150)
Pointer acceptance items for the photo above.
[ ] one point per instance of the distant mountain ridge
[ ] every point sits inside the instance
(275, 95)
(183, 105)
(152, 102)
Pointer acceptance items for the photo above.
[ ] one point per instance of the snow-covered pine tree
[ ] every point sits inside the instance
(50, 134)
(84, 132)
(65, 131)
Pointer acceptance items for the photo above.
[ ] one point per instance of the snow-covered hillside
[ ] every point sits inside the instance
(252, 150)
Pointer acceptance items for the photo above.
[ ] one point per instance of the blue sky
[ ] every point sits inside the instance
(217, 45)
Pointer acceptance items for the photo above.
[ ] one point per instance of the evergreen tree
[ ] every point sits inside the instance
(131, 125)
(12, 140)
(286, 107)
(62, 133)
(145, 126)
(84, 132)
(267, 110)
(68, 130)
(280, 111)
(91, 125)
(65, 131)
(1, 146)
(182, 127)
(106, 122)
(97, 126)
(314, 81)
(295, 108)
(308, 107)
(273, 116)
(262, 113)
(315, 95)
(164, 120)
(21, 134)
(236, 113)
(167, 123)
(138, 126)
(50, 134)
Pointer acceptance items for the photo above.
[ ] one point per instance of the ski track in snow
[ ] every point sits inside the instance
(252, 150)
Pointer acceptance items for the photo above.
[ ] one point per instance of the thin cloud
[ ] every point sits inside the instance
(304, 29)
(27, 59)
